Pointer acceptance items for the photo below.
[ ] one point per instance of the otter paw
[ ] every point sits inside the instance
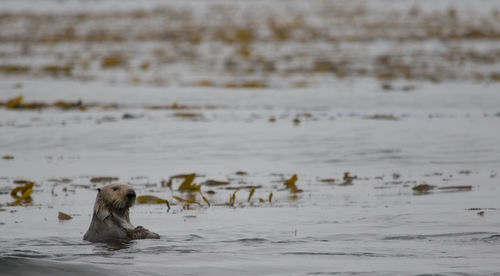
(142, 233)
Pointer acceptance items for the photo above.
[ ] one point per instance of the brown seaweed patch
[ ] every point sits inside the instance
(25, 196)
(18, 103)
(348, 179)
(204, 83)
(241, 173)
(57, 70)
(14, 69)
(290, 184)
(8, 157)
(252, 191)
(149, 199)
(246, 84)
(174, 106)
(188, 184)
(388, 117)
(64, 216)
(456, 188)
(187, 201)
(103, 179)
(188, 115)
(232, 198)
(423, 188)
(205, 199)
(113, 61)
(70, 105)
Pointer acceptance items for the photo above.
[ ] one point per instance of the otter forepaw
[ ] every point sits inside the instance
(142, 233)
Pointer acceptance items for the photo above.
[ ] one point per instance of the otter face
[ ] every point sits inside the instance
(117, 196)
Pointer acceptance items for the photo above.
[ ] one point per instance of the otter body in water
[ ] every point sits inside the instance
(110, 220)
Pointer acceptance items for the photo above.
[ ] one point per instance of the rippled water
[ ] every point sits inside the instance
(445, 135)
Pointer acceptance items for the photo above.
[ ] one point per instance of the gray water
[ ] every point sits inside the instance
(375, 225)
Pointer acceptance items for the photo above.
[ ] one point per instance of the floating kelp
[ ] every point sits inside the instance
(64, 216)
(232, 199)
(187, 202)
(456, 188)
(423, 188)
(149, 199)
(188, 184)
(246, 84)
(7, 157)
(18, 103)
(270, 197)
(290, 184)
(205, 199)
(327, 180)
(22, 189)
(57, 70)
(252, 191)
(103, 179)
(70, 105)
(25, 196)
(241, 173)
(113, 61)
(348, 179)
(388, 117)
(174, 106)
(14, 102)
(14, 69)
(188, 115)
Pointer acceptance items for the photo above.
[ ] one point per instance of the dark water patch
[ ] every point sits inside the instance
(491, 239)
(436, 236)
(451, 273)
(160, 249)
(353, 273)
(28, 254)
(114, 245)
(350, 254)
(289, 241)
(27, 266)
(248, 241)
(193, 237)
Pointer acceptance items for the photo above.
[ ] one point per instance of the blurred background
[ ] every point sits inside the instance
(252, 44)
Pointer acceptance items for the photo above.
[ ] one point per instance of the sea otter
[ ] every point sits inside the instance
(110, 220)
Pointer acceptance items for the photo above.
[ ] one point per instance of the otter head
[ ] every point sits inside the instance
(114, 198)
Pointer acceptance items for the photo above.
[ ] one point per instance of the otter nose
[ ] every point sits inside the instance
(130, 194)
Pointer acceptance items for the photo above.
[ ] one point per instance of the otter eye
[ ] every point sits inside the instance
(115, 188)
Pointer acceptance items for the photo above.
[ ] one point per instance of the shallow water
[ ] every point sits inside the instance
(377, 226)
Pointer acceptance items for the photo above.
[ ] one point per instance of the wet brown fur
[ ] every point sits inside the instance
(110, 220)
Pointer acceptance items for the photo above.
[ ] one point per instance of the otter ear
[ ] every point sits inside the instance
(98, 190)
